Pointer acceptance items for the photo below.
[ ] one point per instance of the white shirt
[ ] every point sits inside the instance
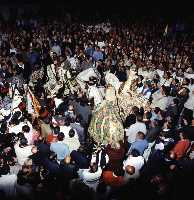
(66, 129)
(22, 154)
(111, 79)
(162, 103)
(189, 104)
(29, 136)
(90, 179)
(132, 131)
(16, 129)
(136, 162)
(101, 44)
(146, 93)
(73, 143)
(94, 92)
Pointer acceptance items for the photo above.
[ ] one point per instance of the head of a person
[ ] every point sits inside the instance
(56, 130)
(26, 129)
(139, 117)
(130, 169)
(131, 119)
(93, 168)
(67, 160)
(34, 150)
(19, 58)
(165, 90)
(140, 135)
(135, 110)
(140, 78)
(60, 136)
(23, 142)
(97, 48)
(183, 135)
(70, 107)
(71, 133)
(3, 128)
(186, 81)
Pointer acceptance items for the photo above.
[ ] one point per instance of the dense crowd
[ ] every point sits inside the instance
(55, 104)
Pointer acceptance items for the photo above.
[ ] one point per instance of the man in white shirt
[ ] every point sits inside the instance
(27, 133)
(91, 176)
(160, 99)
(66, 128)
(134, 160)
(94, 93)
(132, 131)
(22, 150)
(72, 141)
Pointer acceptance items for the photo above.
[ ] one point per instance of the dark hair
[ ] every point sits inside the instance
(187, 81)
(157, 110)
(135, 109)
(3, 127)
(141, 77)
(166, 90)
(185, 136)
(93, 168)
(71, 133)
(131, 119)
(20, 135)
(15, 121)
(26, 129)
(60, 136)
(67, 121)
(148, 115)
(19, 57)
(141, 134)
(56, 130)
(23, 141)
(139, 117)
(176, 101)
(135, 153)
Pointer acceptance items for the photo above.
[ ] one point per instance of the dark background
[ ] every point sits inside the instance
(158, 8)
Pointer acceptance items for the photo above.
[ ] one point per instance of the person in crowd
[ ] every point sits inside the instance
(140, 143)
(72, 141)
(59, 147)
(132, 131)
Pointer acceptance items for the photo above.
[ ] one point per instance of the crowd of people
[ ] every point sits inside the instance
(95, 111)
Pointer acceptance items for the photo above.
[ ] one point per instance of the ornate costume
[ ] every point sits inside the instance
(107, 122)
(59, 78)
